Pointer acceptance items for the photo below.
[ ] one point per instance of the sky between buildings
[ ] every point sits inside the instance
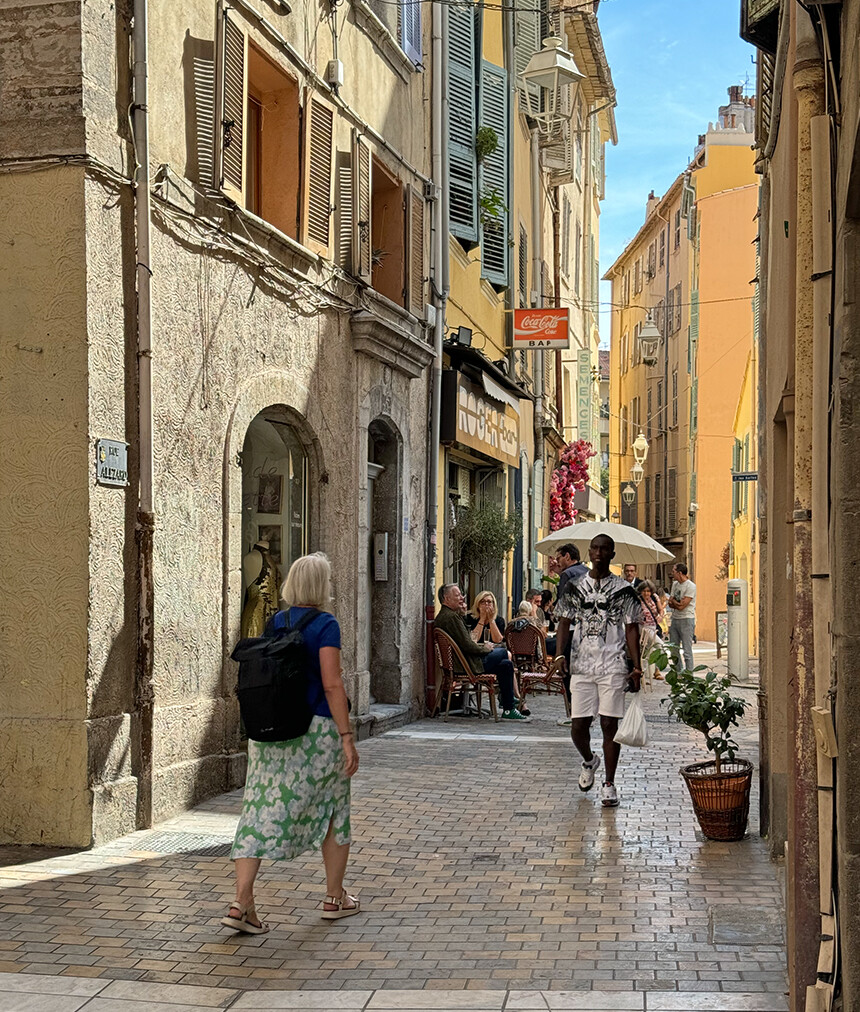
(672, 62)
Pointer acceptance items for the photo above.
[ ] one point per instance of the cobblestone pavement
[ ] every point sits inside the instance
(488, 881)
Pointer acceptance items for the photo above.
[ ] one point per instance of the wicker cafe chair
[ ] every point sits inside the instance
(448, 657)
(532, 666)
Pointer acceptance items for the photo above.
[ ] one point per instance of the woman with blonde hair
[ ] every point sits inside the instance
(297, 792)
(484, 621)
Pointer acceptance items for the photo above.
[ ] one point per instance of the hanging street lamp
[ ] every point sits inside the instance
(628, 494)
(649, 339)
(640, 448)
(616, 516)
(551, 69)
(637, 473)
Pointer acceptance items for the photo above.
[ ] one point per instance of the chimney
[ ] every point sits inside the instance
(735, 93)
(651, 203)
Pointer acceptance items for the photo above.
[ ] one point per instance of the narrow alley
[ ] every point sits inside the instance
(488, 881)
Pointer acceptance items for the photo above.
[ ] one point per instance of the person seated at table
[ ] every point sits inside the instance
(533, 597)
(547, 604)
(481, 657)
(484, 621)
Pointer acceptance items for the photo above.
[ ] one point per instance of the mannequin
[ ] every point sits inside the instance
(261, 579)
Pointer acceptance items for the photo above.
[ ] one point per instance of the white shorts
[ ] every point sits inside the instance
(591, 695)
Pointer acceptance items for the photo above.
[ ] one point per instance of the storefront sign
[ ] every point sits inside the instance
(471, 417)
(541, 328)
(584, 399)
(745, 476)
(111, 462)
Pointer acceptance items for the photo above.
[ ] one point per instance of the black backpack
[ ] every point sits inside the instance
(273, 682)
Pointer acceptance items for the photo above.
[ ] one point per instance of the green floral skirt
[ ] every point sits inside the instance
(294, 791)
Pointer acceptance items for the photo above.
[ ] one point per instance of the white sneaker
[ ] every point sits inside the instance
(564, 721)
(586, 777)
(609, 796)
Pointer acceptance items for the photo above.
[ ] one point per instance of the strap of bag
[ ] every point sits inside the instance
(282, 620)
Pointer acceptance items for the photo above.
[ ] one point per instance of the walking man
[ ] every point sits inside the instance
(569, 567)
(682, 601)
(631, 575)
(480, 656)
(599, 616)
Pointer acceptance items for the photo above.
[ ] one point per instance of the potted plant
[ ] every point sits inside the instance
(719, 787)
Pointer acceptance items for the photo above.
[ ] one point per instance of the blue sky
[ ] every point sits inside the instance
(671, 61)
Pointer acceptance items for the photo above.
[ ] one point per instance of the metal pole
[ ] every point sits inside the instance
(144, 696)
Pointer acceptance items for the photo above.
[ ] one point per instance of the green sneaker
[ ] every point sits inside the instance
(515, 715)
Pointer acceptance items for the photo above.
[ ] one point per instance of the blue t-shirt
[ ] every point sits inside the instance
(321, 631)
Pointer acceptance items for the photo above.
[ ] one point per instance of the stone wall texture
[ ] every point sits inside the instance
(244, 321)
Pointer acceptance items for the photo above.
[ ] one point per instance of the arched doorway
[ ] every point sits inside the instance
(382, 597)
(275, 529)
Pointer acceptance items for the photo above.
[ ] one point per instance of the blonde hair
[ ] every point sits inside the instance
(524, 610)
(480, 597)
(308, 582)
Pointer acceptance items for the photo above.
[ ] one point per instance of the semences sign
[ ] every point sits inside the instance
(541, 328)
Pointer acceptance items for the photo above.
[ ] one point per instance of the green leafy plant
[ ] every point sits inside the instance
(491, 208)
(702, 702)
(486, 143)
(604, 482)
(483, 536)
(722, 572)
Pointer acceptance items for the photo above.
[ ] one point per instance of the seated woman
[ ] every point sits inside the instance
(487, 626)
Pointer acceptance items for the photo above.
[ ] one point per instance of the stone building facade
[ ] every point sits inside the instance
(289, 265)
(807, 129)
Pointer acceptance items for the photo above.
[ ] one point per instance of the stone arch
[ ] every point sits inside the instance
(287, 398)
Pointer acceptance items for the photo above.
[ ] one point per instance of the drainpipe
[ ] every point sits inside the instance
(802, 878)
(537, 283)
(440, 284)
(556, 280)
(144, 696)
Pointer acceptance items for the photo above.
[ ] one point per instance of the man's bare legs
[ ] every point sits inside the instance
(580, 733)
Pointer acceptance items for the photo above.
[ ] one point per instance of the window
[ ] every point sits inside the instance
(386, 232)
(386, 221)
(410, 29)
(577, 261)
(648, 418)
(672, 501)
(625, 289)
(658, 510)
(623, 431)
(660, 408)
(635, 415)
(676, 320)
(662, 246)
(670, 311)
(637, 276)
(637, 347)
(623, 355)
(659, 317)
(260, 118)
(493, 174)
(652, 259)
(677, 229)
(577, 145)
(674, 398)
(462, 124)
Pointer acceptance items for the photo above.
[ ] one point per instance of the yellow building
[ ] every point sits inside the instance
(743, 554)
(689, 266)
(506, 414)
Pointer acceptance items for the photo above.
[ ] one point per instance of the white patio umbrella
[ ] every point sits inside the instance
(631, 545)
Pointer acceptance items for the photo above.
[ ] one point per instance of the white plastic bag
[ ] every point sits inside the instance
(633, 730)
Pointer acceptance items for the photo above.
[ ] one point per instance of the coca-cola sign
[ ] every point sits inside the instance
(541, 328)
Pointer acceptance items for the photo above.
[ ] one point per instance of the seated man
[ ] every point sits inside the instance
(482, 657)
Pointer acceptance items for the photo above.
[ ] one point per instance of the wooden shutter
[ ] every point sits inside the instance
(415, 272)
(495, 255)
(558, 151)
(319, 143)
(231, 105)
(523, 268)
(410, 29)
(345, 201)
(672, 502)
(462, 123)
(362, 165)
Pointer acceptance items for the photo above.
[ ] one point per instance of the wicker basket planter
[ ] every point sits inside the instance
(721, 800)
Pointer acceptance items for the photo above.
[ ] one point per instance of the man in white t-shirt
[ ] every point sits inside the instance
(599, 624)
(682, 601)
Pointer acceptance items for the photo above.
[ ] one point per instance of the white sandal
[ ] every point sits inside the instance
(241, 923)
(342, 911)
